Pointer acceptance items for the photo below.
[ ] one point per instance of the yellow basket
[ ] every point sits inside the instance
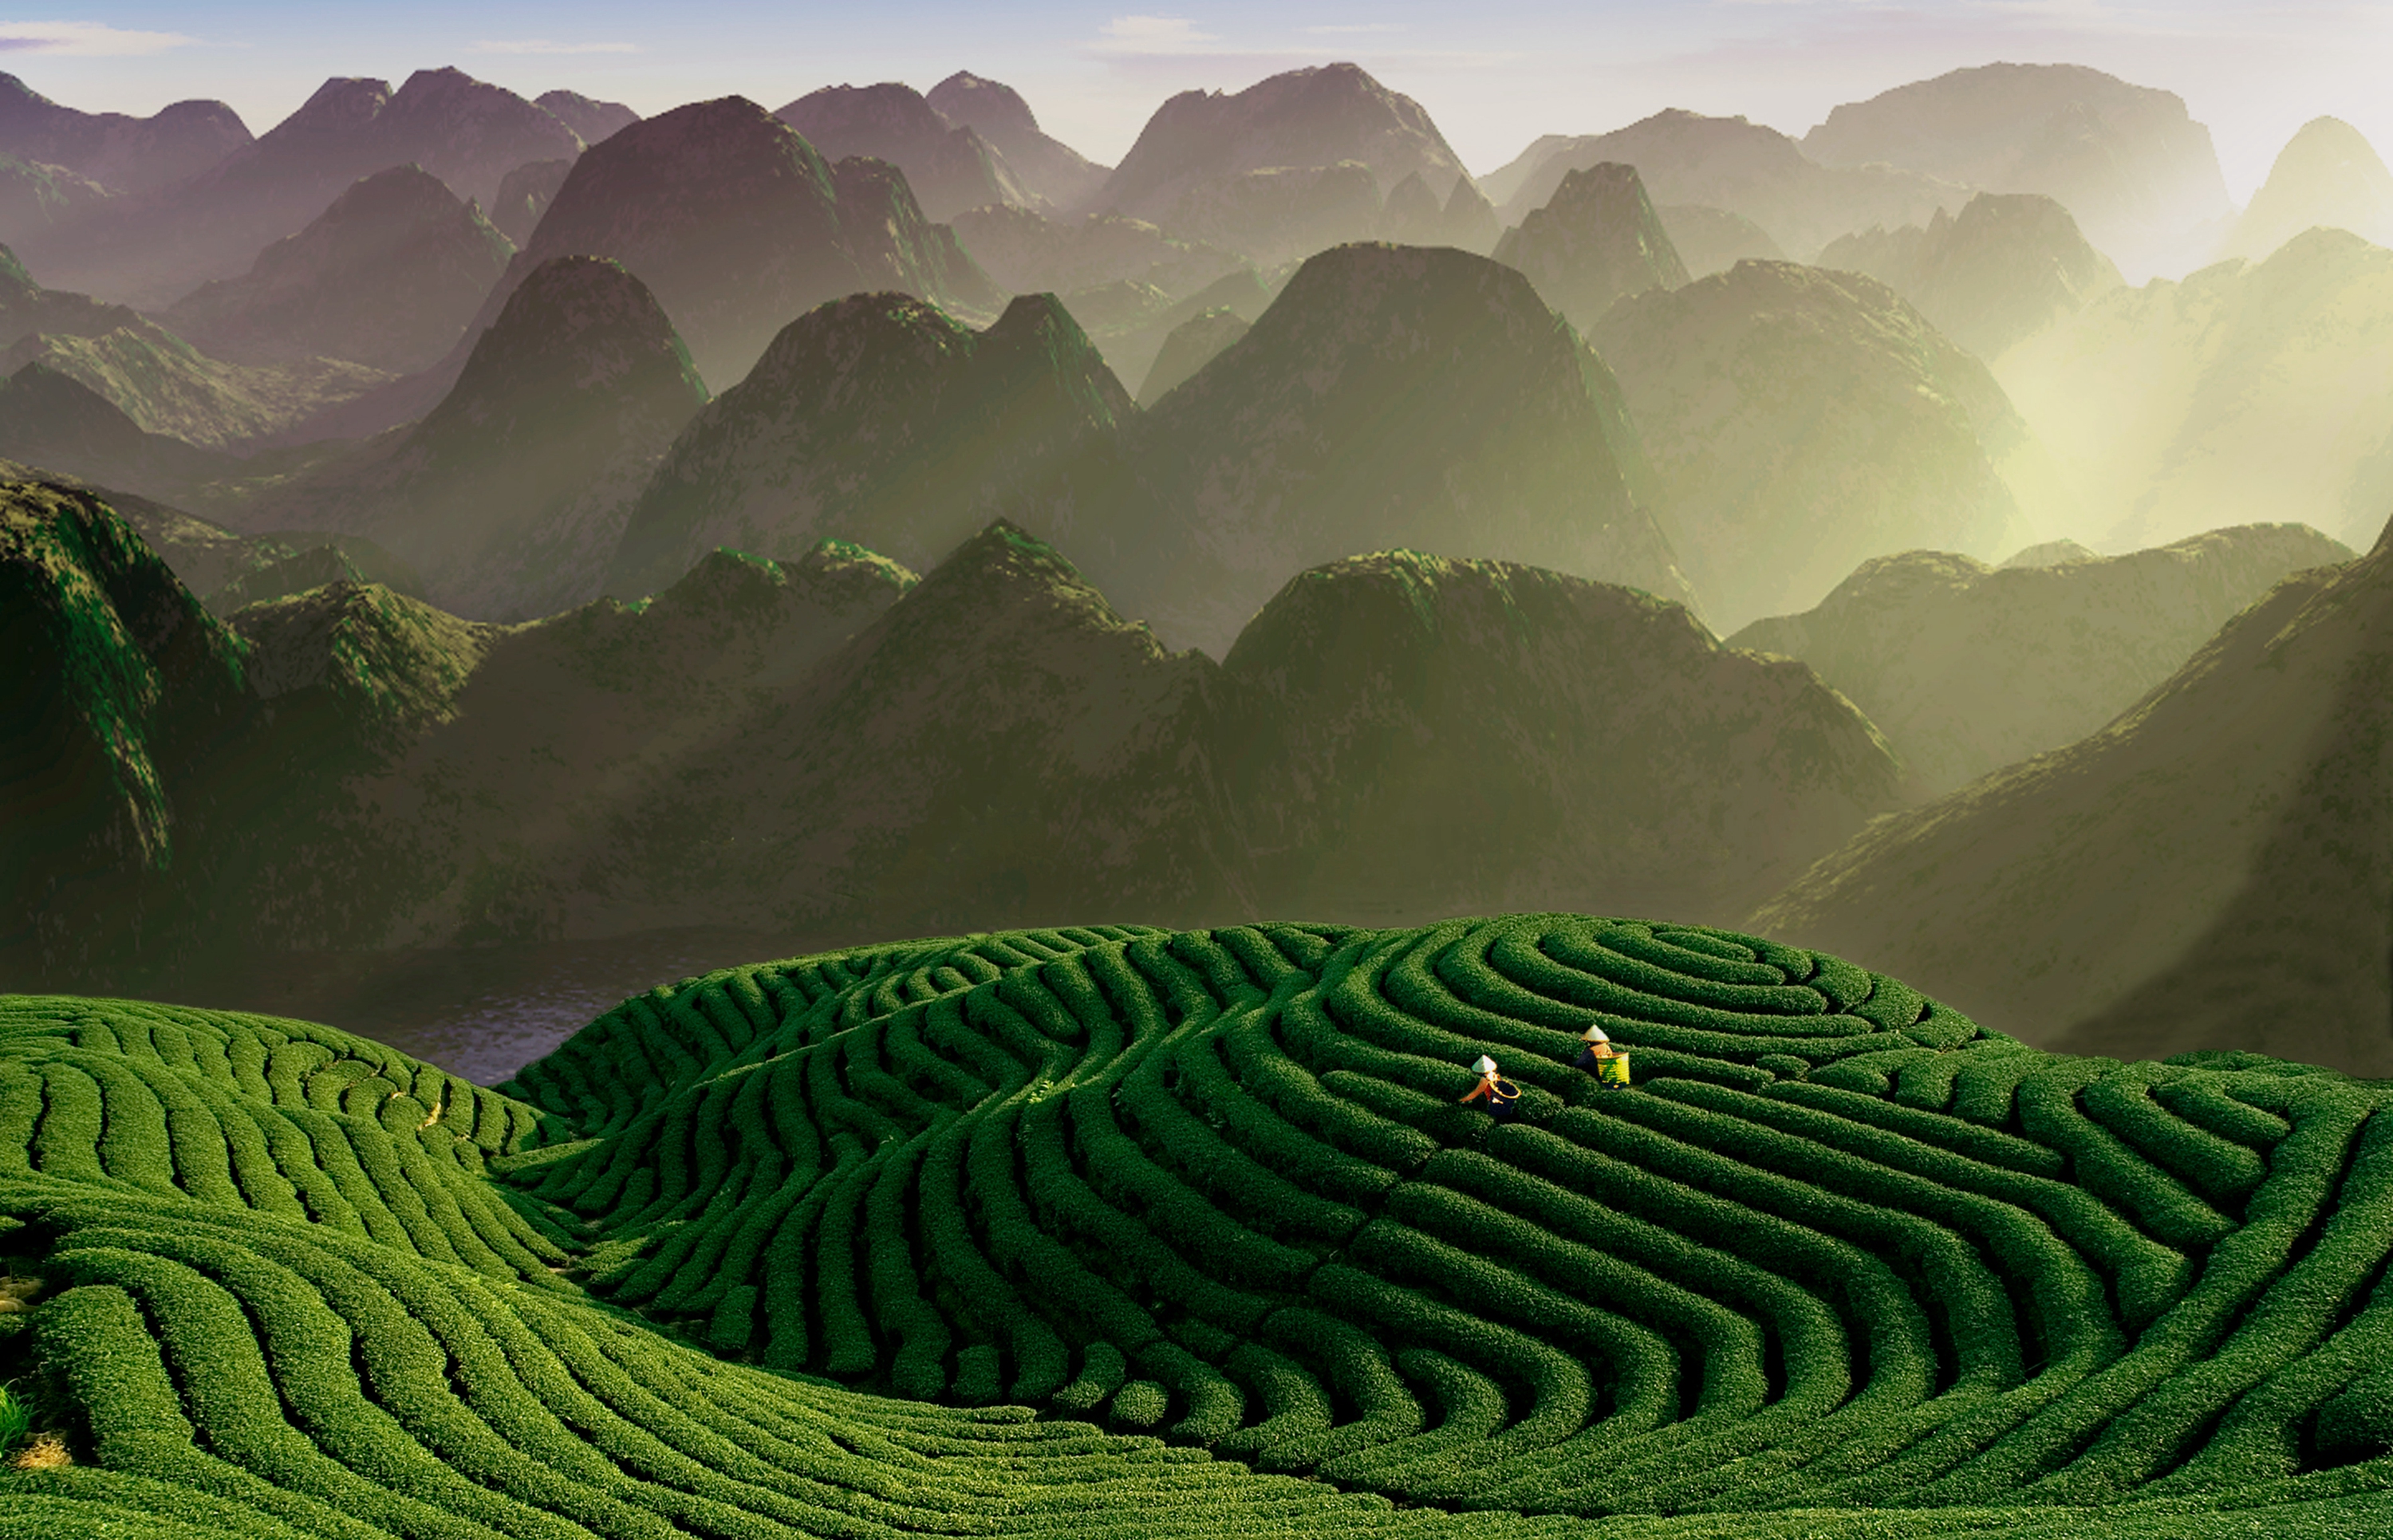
(1614, 1071)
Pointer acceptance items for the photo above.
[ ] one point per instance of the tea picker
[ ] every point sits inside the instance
(1599, 1058)
(1502, 1095)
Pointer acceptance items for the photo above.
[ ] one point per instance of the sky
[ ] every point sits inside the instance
(1494, 73)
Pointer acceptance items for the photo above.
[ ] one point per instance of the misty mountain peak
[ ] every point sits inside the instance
(2328, 174)
(1597, 239)
(576, 324)
(968, 101)
(591, 119)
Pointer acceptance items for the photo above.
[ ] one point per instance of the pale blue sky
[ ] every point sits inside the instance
(1494, 73)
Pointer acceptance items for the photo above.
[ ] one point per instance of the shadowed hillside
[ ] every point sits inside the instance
(1968, 668)
(2008, 267)
(1046, 168)
(2210, 870)
(1598, 240)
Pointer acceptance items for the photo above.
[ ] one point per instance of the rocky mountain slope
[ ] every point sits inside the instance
(2246, 390)
(2328, 174)
(153, 250)
(1597, 240)
(511, 495)
(2128, 162)
(2209, 871)
(1302, 120)
(523, 195)
(1968, 668)
(1755, 173)
(591, 120)
(2010, 266)
(1192, 344)
(126, 155)
(1049, 170)
(1712, 240)
(1799, 422)
(387, 277)
(949, 168)
(168, 386)
(737, 227)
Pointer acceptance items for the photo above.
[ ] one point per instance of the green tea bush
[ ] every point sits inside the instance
(1834, 1248)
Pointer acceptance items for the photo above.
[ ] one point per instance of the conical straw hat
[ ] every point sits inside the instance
(1595, 1033)
(1485, 1065)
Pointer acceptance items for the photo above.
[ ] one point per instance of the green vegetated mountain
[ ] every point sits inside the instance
(879, 419)
(127, 154)
(1755, 173)
(170, 387)
(1110, 1230)
(2248, 388)
(1391, 395)
(949, 168)
(1799, 422)
(387, 277)
(1712, 240)
(511, 495)
(2008, 266)
(1192, 344)
(36, 199)
(896, 755)
(152, 249)
(1044, 166)
(1597, 240)
(2328, 174)
(1968, 668)
(1307, 156)
(2211, 870)
(2128, 162)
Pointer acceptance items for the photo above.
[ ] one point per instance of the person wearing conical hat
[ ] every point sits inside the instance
(1598, 1058)
(1501, 1094)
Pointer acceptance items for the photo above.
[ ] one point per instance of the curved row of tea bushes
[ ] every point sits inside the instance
(1836, 1246)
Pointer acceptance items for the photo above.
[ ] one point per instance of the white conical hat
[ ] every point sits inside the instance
(1485, 1065)
(1595, 1033)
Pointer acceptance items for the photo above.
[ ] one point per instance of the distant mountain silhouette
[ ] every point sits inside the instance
(2010, 266)
(1391, 395)
(1712, 240)
(126, 155)
(1281, 214)
(1048, 169)
(737, 227)
(1597, 240)
(523, 195)
(153, 250)
(1800, 422)
(345, 559)
(948, 169)
(880, 420)
(2136, 172)
(593, 120)
(510, 495)
(1026, 252)
(2247, 389)
(1968, 668)
(1728, 163)
(2212, 870)
(2328, 174)
(1471, 222)
(1192, 344)
(51, 420)
(387, 276)
(1304, 119)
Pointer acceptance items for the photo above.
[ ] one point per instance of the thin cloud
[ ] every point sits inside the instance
(1352, 28)
(542, 45)
(85, 39)
(1153, 34)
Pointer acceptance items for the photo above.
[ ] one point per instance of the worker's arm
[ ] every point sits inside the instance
(1485, 1088)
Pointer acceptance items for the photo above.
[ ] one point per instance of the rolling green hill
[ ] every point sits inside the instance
(1112, 1231)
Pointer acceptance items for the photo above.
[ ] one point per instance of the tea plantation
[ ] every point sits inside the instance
(1121, 1232)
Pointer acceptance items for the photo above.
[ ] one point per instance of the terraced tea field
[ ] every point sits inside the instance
(1113, 1231)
